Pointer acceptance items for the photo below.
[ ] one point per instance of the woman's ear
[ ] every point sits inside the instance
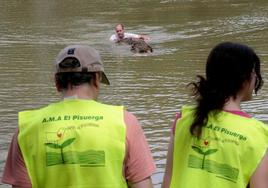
(248, 89)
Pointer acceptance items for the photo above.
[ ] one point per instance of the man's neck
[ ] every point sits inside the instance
(80, 92)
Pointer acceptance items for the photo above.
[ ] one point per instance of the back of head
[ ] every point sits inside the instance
(229, 66)
(78, 64)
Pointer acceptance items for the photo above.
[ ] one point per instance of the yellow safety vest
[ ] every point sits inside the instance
(226, 155)
(74, 143)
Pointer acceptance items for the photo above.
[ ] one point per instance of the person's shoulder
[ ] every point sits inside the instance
(34, 110)
(130, 119)
(108, 105)
(113, 38)
(262, 126)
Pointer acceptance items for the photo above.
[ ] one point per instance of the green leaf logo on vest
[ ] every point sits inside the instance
(221, 170)
(61, 146)
(204, 153)
(58, 154)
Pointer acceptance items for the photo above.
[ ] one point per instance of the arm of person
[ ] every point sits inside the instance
(15, 172)
(144, 37)
(139, 164)
(132, 35)
(169, 163)
(113, 38)
(146, 183)
(259, 179)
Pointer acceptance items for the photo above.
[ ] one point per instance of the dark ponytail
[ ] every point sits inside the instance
(228, 66)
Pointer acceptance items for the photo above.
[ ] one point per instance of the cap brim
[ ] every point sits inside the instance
(104, 79)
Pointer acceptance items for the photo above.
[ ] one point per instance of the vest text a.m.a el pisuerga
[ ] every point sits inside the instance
(226, 131)
(72, 117)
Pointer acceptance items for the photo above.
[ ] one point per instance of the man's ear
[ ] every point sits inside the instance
(97, 80)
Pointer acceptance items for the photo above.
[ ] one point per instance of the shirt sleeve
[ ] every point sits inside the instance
(113, 38)
(139, 163)
(173, 128)
(15, 172)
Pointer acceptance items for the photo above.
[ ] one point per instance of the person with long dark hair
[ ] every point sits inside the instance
(215, 143)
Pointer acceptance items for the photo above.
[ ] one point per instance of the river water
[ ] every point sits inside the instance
(153, 86)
